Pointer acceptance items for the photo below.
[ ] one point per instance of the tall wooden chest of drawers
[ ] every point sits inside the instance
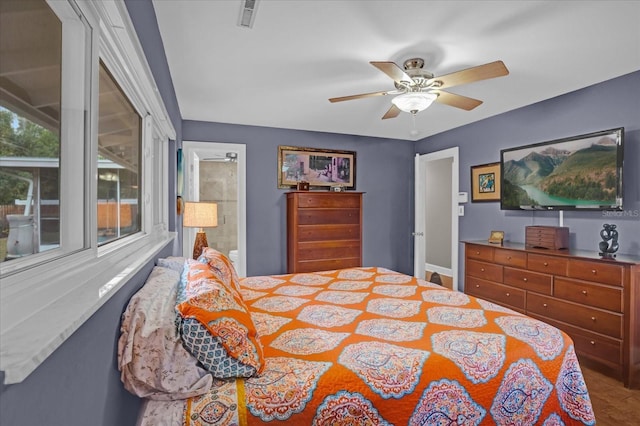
(324, 230)
(595, 301)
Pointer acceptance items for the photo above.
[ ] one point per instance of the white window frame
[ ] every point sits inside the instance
(45, 297)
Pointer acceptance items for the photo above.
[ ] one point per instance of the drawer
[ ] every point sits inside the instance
(596, 271)
(327, 265)
(312, 200)
(591, 294)
(527, 280)
(600, 347)
(328, 216)
(510, 257)
(328, 250)
(328, 232)
(536, 231)
(595, 346)
(475, 251)
(504, 295)
(486, 271)
(547, 264)
(592, 319)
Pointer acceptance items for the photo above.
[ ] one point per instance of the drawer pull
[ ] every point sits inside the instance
(477, 252)
(584, 292)
(508, 295)
(546, 263)
(481, 269)
(525, 279)
(477, 285)
(593, 271)
(544, 304)
(508, 257)
(593, 343)
(593, 318)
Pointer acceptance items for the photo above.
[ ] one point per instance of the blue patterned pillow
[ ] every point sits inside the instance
(210, 352)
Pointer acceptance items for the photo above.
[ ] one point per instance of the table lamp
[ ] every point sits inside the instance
(200, 215)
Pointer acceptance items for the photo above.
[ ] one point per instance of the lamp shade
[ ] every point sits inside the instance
(200, 215)
(414, 102)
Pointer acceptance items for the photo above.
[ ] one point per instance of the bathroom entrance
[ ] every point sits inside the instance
(215, 172)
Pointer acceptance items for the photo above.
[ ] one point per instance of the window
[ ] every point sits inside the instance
(30, 91)
(119, 141)
(84, 142)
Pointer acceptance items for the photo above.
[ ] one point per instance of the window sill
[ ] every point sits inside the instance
(86, 279)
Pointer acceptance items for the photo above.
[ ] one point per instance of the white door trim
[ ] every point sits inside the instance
(192, 153)
(421, 164)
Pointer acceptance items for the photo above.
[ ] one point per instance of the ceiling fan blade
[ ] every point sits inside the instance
(363, 95)
(481, 72)
(392, 112)
(457, 101)
(393, 71)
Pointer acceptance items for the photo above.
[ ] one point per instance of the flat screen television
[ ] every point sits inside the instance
(581, 172)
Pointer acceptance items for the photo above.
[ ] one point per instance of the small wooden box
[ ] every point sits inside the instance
(548, 237)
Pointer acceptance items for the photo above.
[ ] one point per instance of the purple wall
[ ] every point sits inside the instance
(614, 103)
(384, 171)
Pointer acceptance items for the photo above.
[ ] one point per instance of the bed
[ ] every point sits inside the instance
(353, 346)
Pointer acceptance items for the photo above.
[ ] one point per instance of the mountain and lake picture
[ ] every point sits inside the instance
(578, 173)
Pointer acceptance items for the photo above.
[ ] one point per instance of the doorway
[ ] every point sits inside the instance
(216, 172)
(436, 217)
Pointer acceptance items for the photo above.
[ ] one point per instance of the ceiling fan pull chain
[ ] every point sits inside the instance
(414, 131)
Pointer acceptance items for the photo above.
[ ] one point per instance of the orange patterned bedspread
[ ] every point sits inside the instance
(372, 346)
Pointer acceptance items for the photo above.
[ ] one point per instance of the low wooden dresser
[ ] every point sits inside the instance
(595, 301)
(324, 230)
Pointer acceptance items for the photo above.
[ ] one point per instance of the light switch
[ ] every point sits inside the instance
(460, 210)
(463, 197)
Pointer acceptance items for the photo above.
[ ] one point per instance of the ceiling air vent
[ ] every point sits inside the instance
(247, 13)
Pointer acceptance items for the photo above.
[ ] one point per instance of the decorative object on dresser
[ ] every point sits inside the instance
(547, 237)
(594, 300)
(496, 237)
(485, 182)
(609, 245)
(324, 230)
(321, 168)
(302, 186)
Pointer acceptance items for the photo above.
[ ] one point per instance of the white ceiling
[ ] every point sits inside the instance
(281, 72)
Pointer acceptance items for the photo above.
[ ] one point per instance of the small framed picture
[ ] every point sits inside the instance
(496, 237)
(485, 182)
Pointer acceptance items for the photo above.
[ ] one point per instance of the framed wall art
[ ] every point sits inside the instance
(485, 182)
(321, 168)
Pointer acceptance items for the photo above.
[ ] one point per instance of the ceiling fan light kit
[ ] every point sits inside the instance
(418, 88)
(414, 102)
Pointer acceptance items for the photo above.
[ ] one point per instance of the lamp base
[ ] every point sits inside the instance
(200, 244)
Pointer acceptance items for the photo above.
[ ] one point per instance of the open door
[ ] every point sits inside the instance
(436, 217)
(216, 172)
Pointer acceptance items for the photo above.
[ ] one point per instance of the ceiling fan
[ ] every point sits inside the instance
(418, 88)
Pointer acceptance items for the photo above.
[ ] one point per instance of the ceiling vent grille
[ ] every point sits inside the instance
(247, 13)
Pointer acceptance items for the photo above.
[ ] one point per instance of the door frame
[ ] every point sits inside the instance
(192, 153)
(421, 165)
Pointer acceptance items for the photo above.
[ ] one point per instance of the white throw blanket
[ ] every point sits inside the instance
(152, 361)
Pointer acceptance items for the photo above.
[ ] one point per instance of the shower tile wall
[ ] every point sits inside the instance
(219, 184)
